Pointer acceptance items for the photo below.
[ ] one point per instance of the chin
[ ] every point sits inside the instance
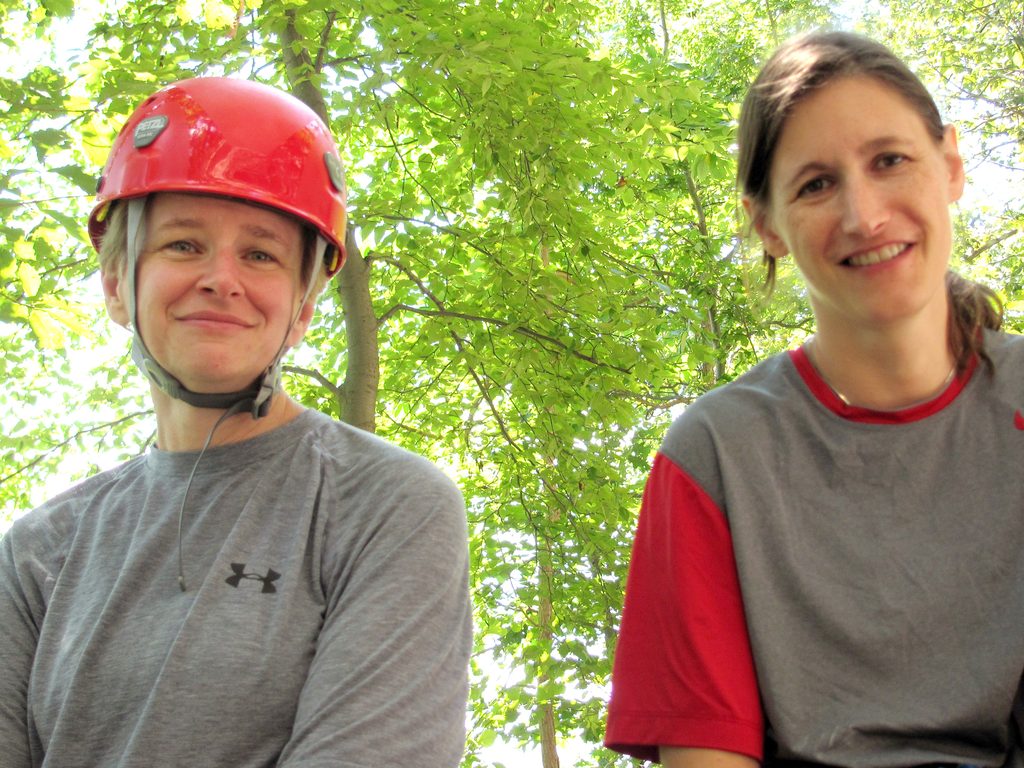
(208, 385)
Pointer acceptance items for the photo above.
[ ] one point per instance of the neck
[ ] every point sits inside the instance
(182, 427)
(886, 370)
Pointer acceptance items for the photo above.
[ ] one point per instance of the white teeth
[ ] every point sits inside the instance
(877, 257)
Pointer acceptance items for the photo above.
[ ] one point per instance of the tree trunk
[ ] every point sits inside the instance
(359, 400)
(711, 372)
(363, 373)
(545, 616)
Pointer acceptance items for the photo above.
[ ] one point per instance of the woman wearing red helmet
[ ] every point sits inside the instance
(266, 586)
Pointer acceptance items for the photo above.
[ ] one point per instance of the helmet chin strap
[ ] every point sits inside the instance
(257, 397)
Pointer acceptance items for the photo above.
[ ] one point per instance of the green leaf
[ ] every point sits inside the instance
(29, 279)
(59, 8)
(47, 330)
(486, 738)
(75, 173)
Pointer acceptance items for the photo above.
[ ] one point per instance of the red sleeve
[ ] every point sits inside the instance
(684, 673)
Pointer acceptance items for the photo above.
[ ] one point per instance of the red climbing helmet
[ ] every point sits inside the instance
(233, 138)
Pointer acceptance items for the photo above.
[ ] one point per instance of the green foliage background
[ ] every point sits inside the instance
(544, 213)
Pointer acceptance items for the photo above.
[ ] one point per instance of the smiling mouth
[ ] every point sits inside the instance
(869, 258)
(213, 320)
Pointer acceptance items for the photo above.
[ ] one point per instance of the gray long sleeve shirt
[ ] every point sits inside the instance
(326, 620)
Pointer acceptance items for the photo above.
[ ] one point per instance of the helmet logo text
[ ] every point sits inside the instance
(147, 130)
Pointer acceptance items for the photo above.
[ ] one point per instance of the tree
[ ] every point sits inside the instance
(543, 264)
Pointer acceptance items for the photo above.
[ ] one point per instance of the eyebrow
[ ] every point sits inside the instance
(805, 169)
(262, 232)
(256, 230)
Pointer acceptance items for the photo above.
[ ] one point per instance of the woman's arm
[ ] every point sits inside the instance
(388, 683)
(18, 638)
(683, 671)
(687, 757)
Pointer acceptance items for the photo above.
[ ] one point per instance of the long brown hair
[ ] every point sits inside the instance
(806, 63)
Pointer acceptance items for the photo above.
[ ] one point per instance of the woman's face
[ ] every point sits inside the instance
(859, 194)
(218, 289)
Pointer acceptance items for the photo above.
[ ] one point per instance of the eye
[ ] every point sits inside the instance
(814, 186)
(890, 160)
(261, 257)
(180, 246)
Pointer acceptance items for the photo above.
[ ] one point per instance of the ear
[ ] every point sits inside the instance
(117, 308)
(759, 217)
(298, 329)
(954, 163)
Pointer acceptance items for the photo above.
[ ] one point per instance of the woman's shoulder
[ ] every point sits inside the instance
(47, 530)
(752, 394)
(350, 451)
(738, 416)
(1006, 384)
(366, 486)
(1004, 347)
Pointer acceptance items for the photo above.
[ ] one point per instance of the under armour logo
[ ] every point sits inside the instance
(268, 580)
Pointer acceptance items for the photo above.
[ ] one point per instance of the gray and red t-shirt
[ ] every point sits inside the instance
(817, 582)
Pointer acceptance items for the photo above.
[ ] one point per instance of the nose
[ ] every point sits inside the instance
(220, 274)
(864, 208)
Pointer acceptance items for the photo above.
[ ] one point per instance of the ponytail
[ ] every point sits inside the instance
(972, 308)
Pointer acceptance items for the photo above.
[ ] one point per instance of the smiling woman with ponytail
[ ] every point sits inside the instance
(829, 564)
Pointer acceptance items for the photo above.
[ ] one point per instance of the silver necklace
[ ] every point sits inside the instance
(846, 401)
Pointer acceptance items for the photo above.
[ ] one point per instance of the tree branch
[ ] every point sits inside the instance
(437, 207)
(325, 38)
(654, 403)
(691, 187)
(483, 393)
(67, 441)
(337, 391)
(991, 243)
(664, 29)
(522, 330)
(299, 68)
(448, 230)
(414, 278)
